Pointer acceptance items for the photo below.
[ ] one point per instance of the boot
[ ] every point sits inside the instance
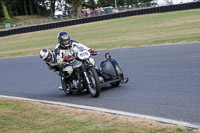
(64, 84)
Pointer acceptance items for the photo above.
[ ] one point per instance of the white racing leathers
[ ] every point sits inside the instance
(52, 64)
(61, 53)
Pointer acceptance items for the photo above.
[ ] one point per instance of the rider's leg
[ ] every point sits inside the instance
(66, 73)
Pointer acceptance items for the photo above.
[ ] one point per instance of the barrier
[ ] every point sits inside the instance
(20, 30)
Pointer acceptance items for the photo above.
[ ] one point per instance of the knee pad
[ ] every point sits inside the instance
(68, 70)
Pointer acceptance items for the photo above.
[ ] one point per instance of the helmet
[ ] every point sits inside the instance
(64, 39)
(46, 55)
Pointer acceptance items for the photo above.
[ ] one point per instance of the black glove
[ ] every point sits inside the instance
(93, 52)
(67, 59)
(55, 67)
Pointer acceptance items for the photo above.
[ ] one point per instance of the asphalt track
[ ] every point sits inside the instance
(164, 81)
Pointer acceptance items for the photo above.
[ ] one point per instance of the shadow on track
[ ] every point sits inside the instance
(87, 93)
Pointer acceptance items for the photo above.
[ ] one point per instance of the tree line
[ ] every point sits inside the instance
(11, 8)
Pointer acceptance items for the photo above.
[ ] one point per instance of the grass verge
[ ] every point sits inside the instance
(143, 30)
(21, 116)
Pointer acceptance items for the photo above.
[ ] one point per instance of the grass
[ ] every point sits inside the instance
(143, 30)
(24, 116)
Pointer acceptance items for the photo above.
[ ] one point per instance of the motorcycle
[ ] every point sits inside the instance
(87, 77)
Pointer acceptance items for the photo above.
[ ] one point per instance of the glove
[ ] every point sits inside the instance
(67, 59)
(93, 52)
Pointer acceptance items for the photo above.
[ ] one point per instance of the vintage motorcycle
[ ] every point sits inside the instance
(87, 77)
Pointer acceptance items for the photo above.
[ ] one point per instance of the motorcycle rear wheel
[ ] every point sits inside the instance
(95, 87)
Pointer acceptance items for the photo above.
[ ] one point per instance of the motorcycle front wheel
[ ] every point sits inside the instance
(94, 87)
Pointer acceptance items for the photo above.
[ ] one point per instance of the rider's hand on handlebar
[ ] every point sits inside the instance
(93, 52)
(67, 59)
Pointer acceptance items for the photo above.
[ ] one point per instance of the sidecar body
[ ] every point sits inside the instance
(111, 72)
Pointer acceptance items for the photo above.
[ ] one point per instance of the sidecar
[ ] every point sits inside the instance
(111, 72)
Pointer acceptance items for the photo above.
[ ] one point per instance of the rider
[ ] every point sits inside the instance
(64, 52)
(50, 59)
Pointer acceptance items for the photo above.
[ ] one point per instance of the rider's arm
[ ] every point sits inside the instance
(58, 55)
(81, 46)
(84, 47)
(76, 46)
(52, 67)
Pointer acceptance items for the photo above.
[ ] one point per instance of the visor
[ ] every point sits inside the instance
(48, 58)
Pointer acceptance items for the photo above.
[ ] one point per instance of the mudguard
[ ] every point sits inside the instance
(111, 67)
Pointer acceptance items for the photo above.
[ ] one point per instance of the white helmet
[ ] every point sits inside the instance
(46, 55)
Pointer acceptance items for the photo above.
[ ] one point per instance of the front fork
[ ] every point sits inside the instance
(85, 74)
(86, 77)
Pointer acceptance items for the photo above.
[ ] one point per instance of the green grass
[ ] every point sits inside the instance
(23, 116)
(143, 30)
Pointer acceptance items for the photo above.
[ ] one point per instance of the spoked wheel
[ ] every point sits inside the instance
(94, 87)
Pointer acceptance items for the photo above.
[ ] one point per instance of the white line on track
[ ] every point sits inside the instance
(159, 119)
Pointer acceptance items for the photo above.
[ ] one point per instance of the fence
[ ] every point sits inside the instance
(99, 18)
(38, 21)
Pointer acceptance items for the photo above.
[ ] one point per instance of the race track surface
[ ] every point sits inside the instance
(164, 81)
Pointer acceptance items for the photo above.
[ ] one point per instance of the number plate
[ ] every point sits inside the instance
(83, 55)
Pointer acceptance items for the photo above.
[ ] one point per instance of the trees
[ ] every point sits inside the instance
(12, 8)
(52, 7)
(129, 2)
(90, 4)
(105, 3)
(5, 11)
(76, 6)
(25, 8)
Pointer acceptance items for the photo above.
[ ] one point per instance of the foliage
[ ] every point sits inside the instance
(24, 7)
(105, 3)
(46, 7)
(90, 4)
(5, 11)
(128, 2)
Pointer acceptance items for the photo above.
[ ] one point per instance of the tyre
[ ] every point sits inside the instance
(95, 87)
(68, 92)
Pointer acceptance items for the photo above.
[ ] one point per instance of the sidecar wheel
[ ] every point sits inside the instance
(95, 87)
(115, 84)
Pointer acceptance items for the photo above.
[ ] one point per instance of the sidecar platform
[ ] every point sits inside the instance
(113, 81)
